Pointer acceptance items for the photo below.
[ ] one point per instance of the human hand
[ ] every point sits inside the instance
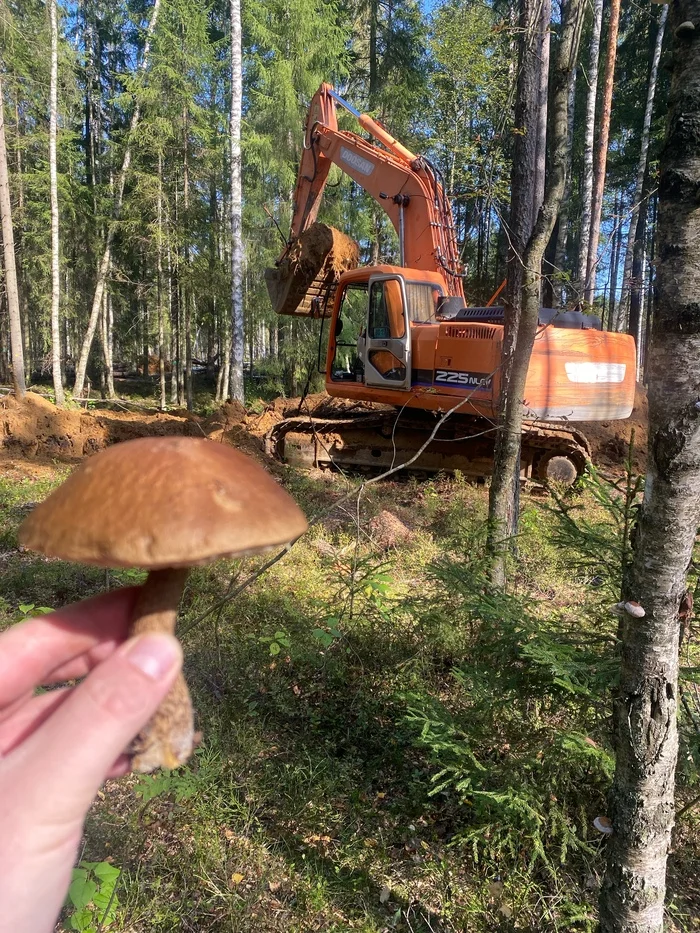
(57, 748)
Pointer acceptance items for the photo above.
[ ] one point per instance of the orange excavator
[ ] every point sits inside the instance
(403, 336)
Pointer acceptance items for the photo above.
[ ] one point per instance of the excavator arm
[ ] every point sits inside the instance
(403, 184)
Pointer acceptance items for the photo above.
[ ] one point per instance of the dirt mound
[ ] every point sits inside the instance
(610, 440)
(388, 531)
(310, 269)
(35, 429)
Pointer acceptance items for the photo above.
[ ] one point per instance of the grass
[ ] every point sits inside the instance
(388, 747)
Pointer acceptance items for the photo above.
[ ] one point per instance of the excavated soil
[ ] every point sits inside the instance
(317, 258)
(37, 431)
(319, 405)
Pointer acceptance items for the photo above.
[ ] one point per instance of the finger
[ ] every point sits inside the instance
(120, 767)
(72, 752)
(9, 711)
(28, 717)
(63, 645)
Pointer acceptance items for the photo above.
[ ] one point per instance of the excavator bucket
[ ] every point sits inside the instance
(304, 280)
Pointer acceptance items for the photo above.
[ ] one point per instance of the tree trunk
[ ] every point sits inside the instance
(645, 705)
(602, 153)
(237, 331)
(563, 231)
(180, 294)
(642, 163)
(8, 242)
(373, 57)
(650, 294)
(55, 268)
(81, 368)
(615, 261)
(637, 243)
(109, 342)
(503, 495)
(543, 43)
(587, 180)
(172, 313)
(159, 286)
(186, 278)
(502, 501)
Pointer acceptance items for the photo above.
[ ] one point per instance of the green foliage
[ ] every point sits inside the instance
(92, 897)
(599, 539)
(28, 610)
(497, 746)
(275, 643)
(181, 784)
(415, 731)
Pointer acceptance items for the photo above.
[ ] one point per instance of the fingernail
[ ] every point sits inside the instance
(154, 655)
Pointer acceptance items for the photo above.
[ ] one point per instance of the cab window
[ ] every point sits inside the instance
(350, 324)
(386, 317)
(422, 298)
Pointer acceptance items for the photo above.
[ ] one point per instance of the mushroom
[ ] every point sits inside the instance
(164, 504)
(685, 30)
(631, 607)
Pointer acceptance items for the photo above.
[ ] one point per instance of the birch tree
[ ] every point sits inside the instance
(503, 495)
(646, 700)
(103, 269)
(8, 241)
(602, 151)
(53, 179)
(589, 124)
(237, 331)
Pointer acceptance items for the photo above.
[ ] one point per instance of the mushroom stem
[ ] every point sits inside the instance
(167, 740)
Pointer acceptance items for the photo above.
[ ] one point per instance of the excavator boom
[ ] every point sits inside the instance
(404, 185)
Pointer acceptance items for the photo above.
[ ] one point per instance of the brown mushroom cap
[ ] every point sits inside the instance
(162, 502)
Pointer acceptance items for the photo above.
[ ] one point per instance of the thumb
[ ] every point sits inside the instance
(68, 757)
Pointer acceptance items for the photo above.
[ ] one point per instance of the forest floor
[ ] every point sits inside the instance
(388, 746)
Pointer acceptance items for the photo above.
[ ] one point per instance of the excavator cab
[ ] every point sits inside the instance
(387, 345)
(374, 328)
(372, 333)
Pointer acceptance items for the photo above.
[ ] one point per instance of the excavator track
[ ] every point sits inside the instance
(378, 441)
